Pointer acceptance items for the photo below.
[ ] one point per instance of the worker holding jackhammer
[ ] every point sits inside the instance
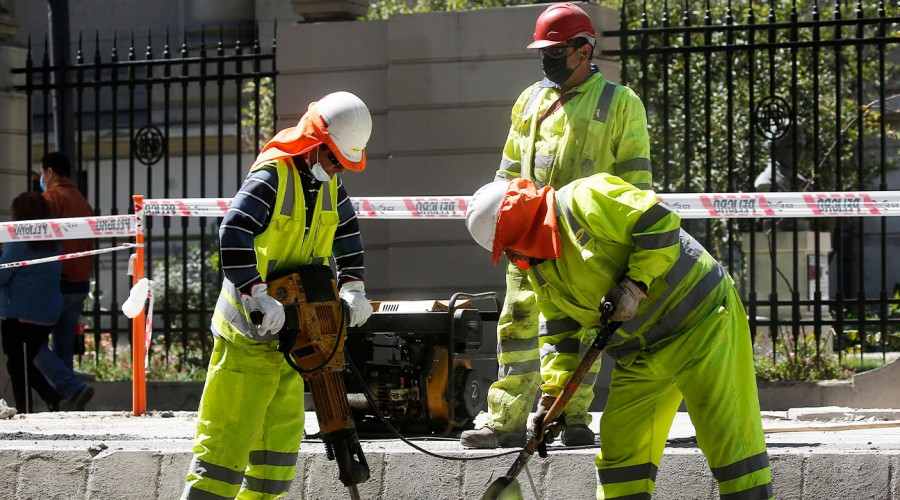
(572, 124)
(291, 210)
(684, 333)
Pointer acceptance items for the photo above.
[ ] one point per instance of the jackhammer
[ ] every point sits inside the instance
(312, 342)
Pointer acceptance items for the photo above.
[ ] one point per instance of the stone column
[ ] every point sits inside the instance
(13, 129)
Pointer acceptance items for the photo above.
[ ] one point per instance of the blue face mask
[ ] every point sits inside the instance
(43, 186)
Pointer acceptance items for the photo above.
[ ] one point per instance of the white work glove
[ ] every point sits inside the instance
(626, 297)
(353, 293)
(134, 304)
(272, 311)
(536, 422)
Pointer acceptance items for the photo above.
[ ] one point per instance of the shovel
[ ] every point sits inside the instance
(507, 487)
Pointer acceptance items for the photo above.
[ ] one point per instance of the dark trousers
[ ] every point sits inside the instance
(21, 342)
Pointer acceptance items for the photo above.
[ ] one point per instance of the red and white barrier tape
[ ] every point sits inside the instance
(68, 256)
(687, 205)
(68, 229)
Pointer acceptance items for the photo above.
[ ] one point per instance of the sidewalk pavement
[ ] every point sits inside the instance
(815, 453)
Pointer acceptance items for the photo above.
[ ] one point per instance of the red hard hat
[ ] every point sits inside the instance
(562, 22)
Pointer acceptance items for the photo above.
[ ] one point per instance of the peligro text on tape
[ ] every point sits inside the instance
(687, 205)
(69, 228)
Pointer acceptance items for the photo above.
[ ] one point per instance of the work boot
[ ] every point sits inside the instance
(577, 435)
(487, 437)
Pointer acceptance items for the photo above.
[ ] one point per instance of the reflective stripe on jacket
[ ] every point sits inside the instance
(283, 245)
(610, 230)
(603, 128)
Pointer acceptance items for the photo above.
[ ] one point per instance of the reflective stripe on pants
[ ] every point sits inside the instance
(249, 424)
(511, 397)
(711, 365)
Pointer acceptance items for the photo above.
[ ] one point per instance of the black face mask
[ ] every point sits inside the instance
(555, 69)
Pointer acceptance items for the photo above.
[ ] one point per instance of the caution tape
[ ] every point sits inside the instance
(109, 226)
(687, 205)
(67, 256)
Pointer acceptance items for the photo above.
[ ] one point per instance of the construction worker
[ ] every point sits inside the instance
(684, 333)
(291, 210)
(572, 124)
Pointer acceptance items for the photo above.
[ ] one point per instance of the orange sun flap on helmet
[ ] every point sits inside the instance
(309, 132)
(527, 222)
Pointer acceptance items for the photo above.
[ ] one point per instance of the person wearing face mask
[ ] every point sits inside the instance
(291, 210)
(572, 124)
(58, 365)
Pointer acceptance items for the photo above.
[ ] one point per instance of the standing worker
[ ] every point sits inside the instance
(291, 210)
(572, 124)
(684, 333)
(66, 201)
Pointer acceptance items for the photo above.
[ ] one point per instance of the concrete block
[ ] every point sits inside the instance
(11, 57)
(369, 83)
(173, 467)
(124, 474)
(844, 475)
(62, 474)
(320, 476)
(362, 44)
(9, 471)
(413, 475)
(787, 474)
(500, 32)
(438, 131)
(423, 37)
(13, 118)
(569, 475)
(687, 462)
(427, 83)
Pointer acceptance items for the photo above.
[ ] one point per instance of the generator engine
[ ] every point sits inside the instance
(420, 364)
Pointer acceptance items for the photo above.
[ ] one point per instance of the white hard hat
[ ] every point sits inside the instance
(483, 212)
(348, 123)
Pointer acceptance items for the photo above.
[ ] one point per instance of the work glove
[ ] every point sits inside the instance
(271, 310)
(353, 293)
(625, 297)
(537, 420)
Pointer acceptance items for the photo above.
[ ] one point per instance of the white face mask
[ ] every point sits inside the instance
(318, 172)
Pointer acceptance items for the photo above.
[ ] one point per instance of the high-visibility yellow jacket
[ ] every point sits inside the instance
(283, 245)
(602, 128)
(610, 230)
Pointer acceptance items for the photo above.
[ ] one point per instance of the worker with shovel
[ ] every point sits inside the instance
(684, 332)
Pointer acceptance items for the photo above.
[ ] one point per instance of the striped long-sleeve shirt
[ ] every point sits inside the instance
(251, 211)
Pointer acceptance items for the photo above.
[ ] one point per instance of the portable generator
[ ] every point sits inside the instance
(422, 364)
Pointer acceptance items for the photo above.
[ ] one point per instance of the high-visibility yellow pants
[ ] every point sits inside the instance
(249, 425)
(523, 369)
(711, 366)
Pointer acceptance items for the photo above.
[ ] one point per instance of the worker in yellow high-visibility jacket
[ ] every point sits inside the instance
(684, 333)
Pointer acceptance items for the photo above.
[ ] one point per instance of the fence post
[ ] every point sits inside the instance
(139, 377)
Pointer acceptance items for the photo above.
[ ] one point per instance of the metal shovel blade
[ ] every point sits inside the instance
(504, 488)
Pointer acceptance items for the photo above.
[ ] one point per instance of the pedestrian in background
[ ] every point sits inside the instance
(66, 201)
(684, 333)
(30, 301)
(572, 124)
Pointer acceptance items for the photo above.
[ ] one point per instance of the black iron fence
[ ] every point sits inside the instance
(781, 96)
(168, 119)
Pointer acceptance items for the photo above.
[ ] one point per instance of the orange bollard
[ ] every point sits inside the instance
(138, 349)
